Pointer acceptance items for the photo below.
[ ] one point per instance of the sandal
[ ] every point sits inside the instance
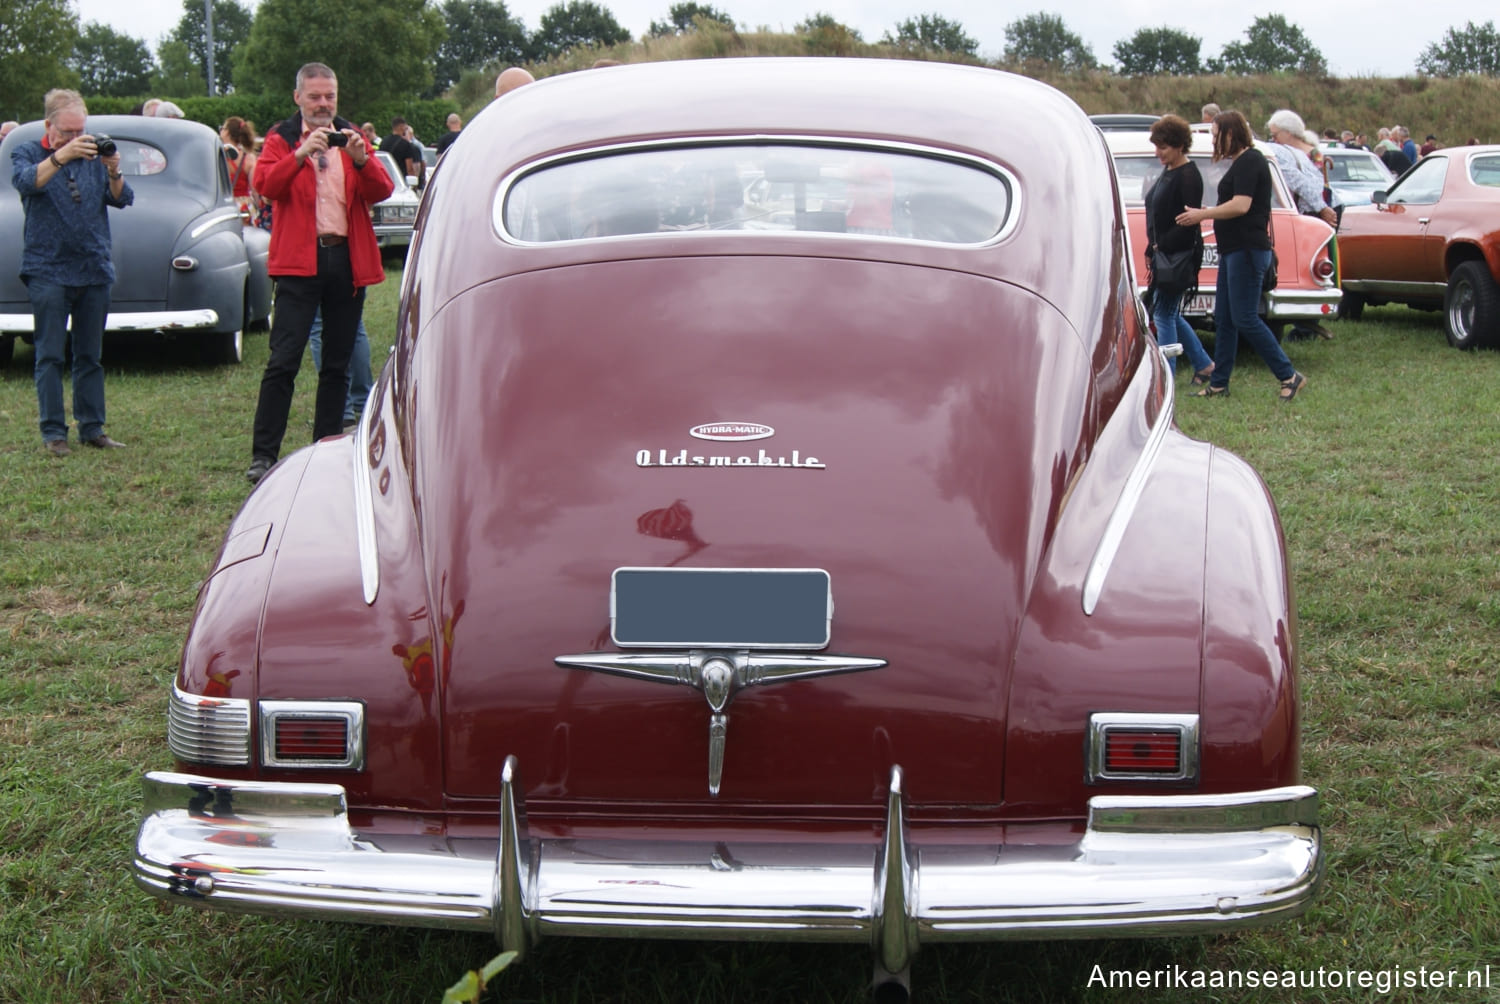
(1200, 377)
(1291, 385)
(1212, 391)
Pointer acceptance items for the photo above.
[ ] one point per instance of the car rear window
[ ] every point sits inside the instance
(781, 188)
(1486, 170)
(138, 159)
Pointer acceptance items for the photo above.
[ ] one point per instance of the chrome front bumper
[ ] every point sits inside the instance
(144, 320)
(1146, 865)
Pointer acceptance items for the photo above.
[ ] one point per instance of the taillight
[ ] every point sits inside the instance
(319, 734)
(1323, 270)
(1129, 746)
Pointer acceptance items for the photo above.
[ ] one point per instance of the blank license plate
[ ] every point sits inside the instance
(1201, 305)
(721, 607)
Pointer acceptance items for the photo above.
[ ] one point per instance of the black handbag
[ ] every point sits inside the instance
(1268, 282)
(1175, 269)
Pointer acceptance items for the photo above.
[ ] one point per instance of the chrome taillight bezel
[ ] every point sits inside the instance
(274, 713)
(1103, 724)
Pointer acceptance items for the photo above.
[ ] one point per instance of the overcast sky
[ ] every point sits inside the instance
(1357, 37)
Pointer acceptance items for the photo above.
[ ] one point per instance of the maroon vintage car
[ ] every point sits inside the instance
(770, 525)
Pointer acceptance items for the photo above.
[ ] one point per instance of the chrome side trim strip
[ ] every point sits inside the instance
(1170, 864)
(212, 222)
(1130, 495)
(364, 515)
(1388, 287)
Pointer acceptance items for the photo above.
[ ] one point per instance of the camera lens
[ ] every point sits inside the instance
(337, 139)
(105, 145)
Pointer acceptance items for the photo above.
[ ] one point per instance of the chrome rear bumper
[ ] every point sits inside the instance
(1290, 304)
(144, 320)
(1174, 864)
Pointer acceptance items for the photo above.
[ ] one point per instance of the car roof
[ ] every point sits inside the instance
(191, 148)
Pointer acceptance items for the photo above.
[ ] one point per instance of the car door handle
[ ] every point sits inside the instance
(1424, 220)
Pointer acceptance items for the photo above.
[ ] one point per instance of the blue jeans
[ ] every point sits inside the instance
(51, 306)
(1236, 313)
(1172, 328)
(359, 381)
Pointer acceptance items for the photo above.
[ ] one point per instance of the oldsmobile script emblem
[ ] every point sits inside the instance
(732, 432)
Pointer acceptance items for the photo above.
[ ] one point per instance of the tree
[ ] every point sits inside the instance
(1159, 52)
(178, 73)
(683, 17)
(933, 33)
(111, 64)
(382, 50)
(577, 22)
(480, 33)
(231, 29)
(1045, 38)
(825, 36)
(1475, 49)
(1272, 45)
(37, 39)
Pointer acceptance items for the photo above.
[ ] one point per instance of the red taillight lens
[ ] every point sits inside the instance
(1323, 269)
(1143, 752)
(300, 738)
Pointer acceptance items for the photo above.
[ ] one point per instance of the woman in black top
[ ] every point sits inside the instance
(1179, 187)
(1242, 222)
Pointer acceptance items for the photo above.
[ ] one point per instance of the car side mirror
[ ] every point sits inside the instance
(1378, 197)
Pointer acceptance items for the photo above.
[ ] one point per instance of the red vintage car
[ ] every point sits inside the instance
(820, 566)
(1432, 241)
(1306, 290)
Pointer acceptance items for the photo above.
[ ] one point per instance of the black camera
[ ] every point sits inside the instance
(231, 153)
(337, 139)
(106, 146)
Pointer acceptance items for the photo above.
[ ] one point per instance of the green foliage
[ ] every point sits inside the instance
(178, 74)
(231, 29)
(682, 18)
(826, 36)
(110, 63)
(1159, 51)
(382, 50)
(1272, 45)
(1472, 49)
(1046, 39)
(36, 39)
(932, 33)
(265, 110)
(480, 33)
(575, 23)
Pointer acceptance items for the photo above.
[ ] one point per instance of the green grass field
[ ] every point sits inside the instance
(1387, 472)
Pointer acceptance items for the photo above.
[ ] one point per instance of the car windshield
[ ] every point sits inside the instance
(1138, 172)
(139, 159)
(780, 188)
(1344, 167)
(1486, 170)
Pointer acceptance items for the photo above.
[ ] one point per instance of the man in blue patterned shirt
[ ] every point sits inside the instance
(65, 186)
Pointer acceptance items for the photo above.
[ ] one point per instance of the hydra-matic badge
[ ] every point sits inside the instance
(727, 432)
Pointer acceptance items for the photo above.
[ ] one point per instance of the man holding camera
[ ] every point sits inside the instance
(318, 173)
(66, 181)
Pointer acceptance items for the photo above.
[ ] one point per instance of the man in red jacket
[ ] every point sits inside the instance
(318, 173)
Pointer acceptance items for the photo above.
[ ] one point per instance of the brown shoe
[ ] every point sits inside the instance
(58, 447)
(103, 442)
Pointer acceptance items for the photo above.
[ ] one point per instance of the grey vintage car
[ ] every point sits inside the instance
(184, 261)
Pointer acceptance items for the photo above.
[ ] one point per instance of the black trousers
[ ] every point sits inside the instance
(298, 299)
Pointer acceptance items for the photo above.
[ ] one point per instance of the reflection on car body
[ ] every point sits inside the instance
(184, 263)
(692, 580)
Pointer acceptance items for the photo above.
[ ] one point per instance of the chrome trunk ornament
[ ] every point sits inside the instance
(719, 675)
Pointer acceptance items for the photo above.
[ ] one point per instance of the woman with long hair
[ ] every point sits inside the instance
(239, 150)
(1179, 186)
(1242, 228)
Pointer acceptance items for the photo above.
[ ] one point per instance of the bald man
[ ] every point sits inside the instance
(510, 78)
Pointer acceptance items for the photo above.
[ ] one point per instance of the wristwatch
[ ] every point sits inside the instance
(115, 175)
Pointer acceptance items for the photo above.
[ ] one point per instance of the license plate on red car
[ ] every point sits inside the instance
(1210, 256)
(720, 607)
(1201, 305)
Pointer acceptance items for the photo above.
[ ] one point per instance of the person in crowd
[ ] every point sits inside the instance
(148, 108)
(1408, 145)
(66, 188)
(6, 127)
(455, 126)
(372, 138)
(1242, 222)
(1301, 164)
(238, 137)
(167, 110)
(1361, 141)
(1209, 112)
(323, 255)
(1383, 141)
(510, 78)
(1427, 147)
(1179, 187)
(407, 157)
